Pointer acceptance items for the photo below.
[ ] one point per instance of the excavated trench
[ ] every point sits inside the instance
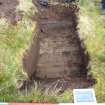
(57, 56)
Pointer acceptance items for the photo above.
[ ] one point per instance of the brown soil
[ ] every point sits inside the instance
(8, 11)
(57, 56)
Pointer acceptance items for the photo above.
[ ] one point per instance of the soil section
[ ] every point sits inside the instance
(57, 55)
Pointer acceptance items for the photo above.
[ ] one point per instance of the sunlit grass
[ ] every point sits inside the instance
(14, 40)
(92, 30)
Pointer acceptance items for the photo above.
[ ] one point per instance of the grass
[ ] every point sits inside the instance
(94, 39)
(14, 40)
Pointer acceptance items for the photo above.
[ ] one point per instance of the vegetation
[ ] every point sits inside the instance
(13, 42)
(92, 30)
(15, 39)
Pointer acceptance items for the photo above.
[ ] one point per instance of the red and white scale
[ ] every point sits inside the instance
(30, 104)
(81, 97)
(48, 104)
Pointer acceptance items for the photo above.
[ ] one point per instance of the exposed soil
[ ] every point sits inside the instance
(57, 56)
(8, 11)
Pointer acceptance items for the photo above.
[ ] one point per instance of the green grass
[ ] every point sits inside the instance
(92, 30)
(13, 42)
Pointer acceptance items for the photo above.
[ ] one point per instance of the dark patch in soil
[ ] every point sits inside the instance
(0, 3)
(57, 56)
